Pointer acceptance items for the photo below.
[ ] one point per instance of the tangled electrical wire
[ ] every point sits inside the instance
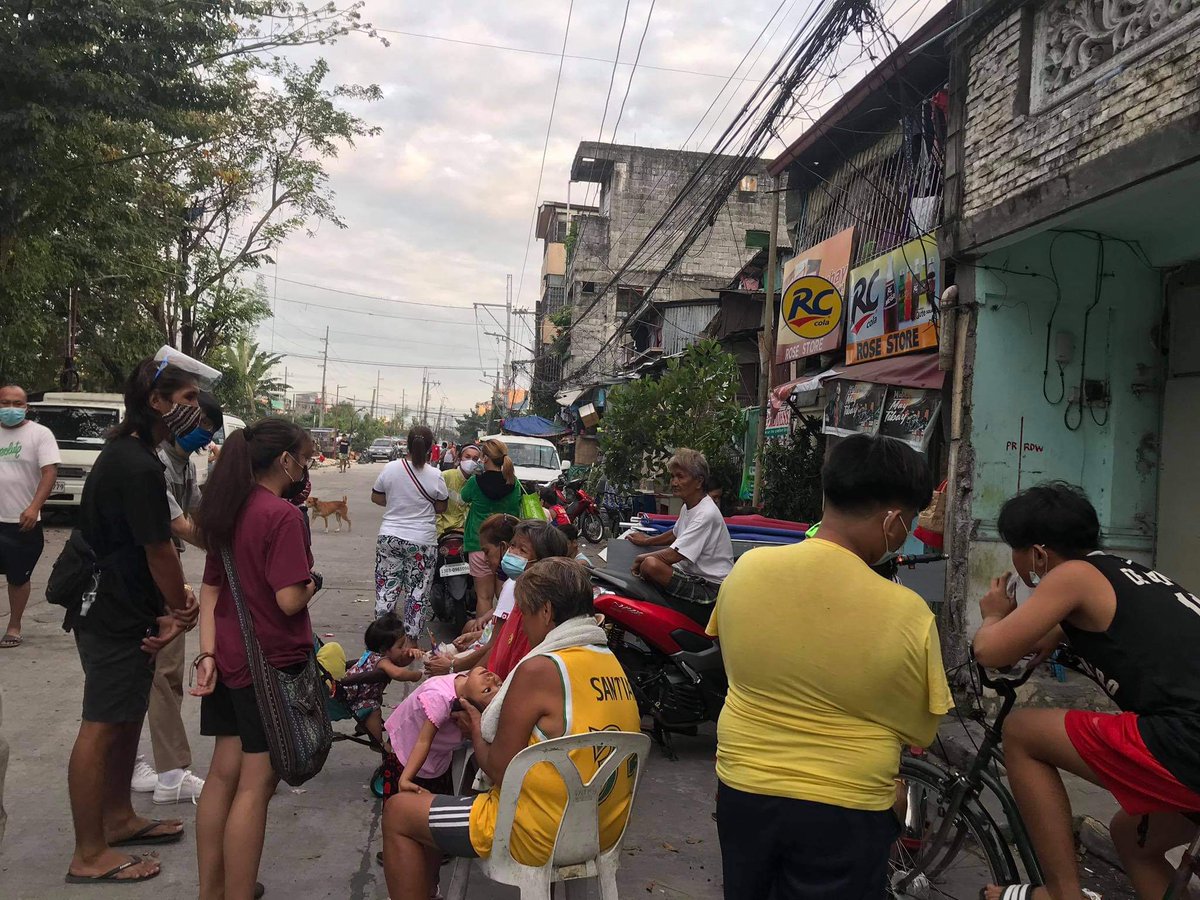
(738, 150)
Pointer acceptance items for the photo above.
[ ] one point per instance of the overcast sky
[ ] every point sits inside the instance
(440, 205)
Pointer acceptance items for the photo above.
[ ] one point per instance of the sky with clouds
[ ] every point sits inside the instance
(440, 205)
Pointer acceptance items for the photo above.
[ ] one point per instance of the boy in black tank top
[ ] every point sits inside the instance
(1138, 634)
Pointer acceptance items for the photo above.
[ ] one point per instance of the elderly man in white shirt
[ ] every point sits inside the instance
(697, 553)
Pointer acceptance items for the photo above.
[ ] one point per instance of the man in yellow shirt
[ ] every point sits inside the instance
(832, 671)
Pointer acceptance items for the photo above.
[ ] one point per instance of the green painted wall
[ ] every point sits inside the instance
(1018, 436)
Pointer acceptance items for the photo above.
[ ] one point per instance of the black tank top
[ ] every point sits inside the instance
(1148, 661)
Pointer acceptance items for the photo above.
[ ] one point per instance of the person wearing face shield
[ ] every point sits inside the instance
(832, 671)
(170, 778)
(1137, 633)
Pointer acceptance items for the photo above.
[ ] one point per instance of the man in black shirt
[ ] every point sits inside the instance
(1137, 633)
(140, 605)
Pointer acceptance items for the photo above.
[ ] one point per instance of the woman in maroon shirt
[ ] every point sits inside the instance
(246, 509)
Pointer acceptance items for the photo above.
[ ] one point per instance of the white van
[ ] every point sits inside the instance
(535, 459)
(80, 423)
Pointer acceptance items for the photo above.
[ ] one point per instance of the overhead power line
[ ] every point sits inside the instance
(535, 52)
(392, 365)
(636, 60)
(546, 146)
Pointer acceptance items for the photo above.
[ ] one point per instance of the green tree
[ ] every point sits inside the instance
(792, 472)
(694, 404)
(246, 384)
(470, 427)
(139, 141)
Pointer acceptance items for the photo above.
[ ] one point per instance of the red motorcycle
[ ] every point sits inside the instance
(581, 509)
(675, 669)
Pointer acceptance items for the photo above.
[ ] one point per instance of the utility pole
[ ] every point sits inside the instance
(766, 347)
(285, 393)
(495, 401)
(375, 396)
(441, 409)
(424, 407)
(508, 339)
(324, 366)
(404, 407)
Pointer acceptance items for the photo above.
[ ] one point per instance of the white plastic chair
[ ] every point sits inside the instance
(577, 854)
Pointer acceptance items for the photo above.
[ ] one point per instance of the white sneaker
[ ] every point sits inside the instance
(189, 788)
(145, 779)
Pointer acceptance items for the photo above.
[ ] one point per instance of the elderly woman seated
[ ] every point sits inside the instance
(549, 694)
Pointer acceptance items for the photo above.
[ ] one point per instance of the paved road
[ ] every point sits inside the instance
(321, 839)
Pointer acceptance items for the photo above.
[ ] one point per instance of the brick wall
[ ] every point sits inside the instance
(1007, 152)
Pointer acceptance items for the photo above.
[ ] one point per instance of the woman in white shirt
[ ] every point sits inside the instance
(412, 492)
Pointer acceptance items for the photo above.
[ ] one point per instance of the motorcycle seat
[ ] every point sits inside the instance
(629, 585)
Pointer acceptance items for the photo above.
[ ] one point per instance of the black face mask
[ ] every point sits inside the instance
(298, 486)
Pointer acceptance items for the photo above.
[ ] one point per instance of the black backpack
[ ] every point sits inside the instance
(76, 574)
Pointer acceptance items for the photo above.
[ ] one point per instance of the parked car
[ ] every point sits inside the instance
(382, 450)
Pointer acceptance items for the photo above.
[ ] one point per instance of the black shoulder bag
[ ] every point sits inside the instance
(292, 707)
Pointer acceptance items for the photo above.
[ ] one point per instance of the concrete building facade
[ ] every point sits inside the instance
(1073, 220)
(635, 187)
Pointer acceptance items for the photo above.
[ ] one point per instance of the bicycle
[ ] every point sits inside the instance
(950, 834)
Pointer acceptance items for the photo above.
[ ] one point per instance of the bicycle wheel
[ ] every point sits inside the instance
(972, 854)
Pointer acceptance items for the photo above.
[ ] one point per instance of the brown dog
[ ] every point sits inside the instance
(327, 508)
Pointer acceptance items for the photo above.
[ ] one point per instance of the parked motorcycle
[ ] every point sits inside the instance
(453, 591)
(675, 669)
(581, 509)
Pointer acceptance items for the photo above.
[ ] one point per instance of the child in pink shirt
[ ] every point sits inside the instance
(424, 735)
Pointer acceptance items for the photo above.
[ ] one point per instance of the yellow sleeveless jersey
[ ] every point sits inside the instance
(598, 698)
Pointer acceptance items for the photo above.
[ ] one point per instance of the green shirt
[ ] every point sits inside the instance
(482, 507)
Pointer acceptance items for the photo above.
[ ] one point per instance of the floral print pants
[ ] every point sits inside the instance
(403, 578)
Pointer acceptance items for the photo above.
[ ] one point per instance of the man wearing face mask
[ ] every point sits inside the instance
(1136, 631)
(170, 778)
(29, 461)
(832, 670)
(140, 606)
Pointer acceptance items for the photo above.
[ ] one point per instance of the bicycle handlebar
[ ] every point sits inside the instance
(920, 559)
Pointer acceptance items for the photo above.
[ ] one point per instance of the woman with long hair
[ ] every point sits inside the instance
(412, 492)
(494, 490)
(246, 510)
(141, 605)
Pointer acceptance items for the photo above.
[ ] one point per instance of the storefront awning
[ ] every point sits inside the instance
(919, 370)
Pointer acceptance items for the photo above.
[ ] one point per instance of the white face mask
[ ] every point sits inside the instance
(470, 466)
(889, 554)
(1034, 578)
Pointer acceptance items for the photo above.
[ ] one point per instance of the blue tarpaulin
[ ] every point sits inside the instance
(533, 426)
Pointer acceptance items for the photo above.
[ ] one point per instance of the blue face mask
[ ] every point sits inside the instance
(195, 439)
(513, 564)
(12, 416)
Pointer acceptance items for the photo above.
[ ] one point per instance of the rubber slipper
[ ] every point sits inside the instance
(143, 837)
(10, 640)
(111, 874)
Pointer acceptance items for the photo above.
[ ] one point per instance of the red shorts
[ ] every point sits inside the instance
(1112, 747)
